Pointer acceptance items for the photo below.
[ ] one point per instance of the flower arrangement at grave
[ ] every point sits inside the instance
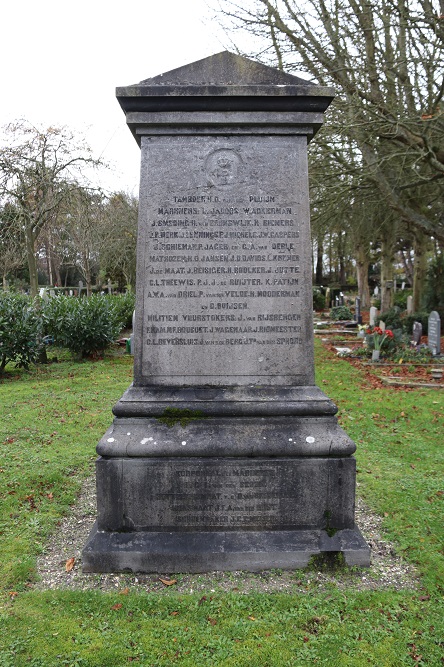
(376, 337)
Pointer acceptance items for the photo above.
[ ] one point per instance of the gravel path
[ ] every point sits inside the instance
(388, 570)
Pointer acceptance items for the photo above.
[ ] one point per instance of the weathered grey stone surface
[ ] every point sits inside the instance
(225, 493)
(434, 333)
(222, 550)
(417, 332)
(223, 453)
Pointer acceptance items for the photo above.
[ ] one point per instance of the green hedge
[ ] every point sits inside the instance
(20, 330)
(85, 326)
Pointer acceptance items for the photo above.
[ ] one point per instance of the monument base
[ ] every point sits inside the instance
(192, 514)
(221, 550)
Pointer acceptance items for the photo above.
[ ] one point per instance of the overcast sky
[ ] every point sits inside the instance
(61, 62)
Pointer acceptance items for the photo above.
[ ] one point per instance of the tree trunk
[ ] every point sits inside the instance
(57, 273)
(386, 273)
(32, 264)
(362, 264)
(419, 268)
(5, 283)
(407, 264)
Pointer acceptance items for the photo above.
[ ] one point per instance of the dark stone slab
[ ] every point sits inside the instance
(231, 401)
(226, 551)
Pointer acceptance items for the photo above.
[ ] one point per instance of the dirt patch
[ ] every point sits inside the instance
(373, 372)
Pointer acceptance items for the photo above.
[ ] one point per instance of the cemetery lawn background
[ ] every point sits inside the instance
(51, 420)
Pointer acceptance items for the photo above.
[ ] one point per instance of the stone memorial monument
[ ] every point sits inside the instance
(434, 333)
(223, 453)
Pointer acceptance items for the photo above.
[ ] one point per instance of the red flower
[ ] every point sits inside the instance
(389, 333)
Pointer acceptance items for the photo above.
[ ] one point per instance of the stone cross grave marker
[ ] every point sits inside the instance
(223, 454)
(434, 333)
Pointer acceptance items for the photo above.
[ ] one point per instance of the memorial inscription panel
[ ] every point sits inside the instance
(228, 495)
(226, 295)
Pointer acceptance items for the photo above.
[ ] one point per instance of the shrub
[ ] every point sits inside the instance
(400, 298)
(85, 326)
(434, 290)
(341, 313)
(392, 318)
(408, 320)
(20, 330)
(123, 305)
(318, 300)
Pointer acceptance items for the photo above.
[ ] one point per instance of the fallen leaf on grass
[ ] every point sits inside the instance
(168, 582)
(12, 594)
(124, 591)
(174, 613)
(212, 621)
(202, 600)
(69, 564)
(251, 618)
(117, 606)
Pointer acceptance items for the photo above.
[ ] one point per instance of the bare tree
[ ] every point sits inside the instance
(119, 229)
(385, 127)
(38, 169)
(12, 246)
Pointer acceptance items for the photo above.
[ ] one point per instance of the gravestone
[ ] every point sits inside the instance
(358, 316)
(80, 287)
(373, 316)
(382, 325)
(434, 333)
(223, 453)
(417, 332)
(409, 304)
(327, 298)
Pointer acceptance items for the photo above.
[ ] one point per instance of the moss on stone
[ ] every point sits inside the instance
(182, 416)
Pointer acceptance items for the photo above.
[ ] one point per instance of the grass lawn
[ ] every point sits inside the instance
(51, 420)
